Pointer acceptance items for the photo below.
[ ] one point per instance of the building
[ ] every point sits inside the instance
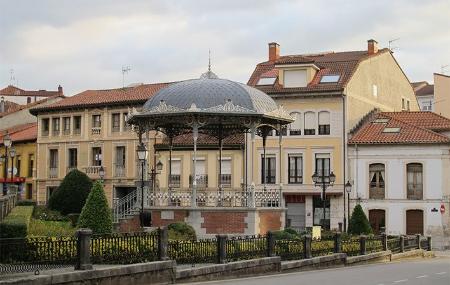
(434, 97)
(23, 165)
(22, 97)
(328, 94)
(425, 95)
(399, 165)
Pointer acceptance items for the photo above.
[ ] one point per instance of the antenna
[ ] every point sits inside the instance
(443, 68)
(12, 78)
(125, 69)
(209, 60)
(390, 44)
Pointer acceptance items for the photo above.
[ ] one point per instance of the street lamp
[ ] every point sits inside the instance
(7, 143)
(348, 189)
(101, 173)
(324, 181)
(142, 156)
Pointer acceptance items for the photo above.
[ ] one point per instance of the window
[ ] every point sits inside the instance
(295, 128)
(53, 158)
(295, 169)
(175, 173)
(96, 121)
(268, 169)
(29, 191)
(323, 164)
(73, 158)
(125, 125)
(56, 126)
(45, 126)
(375, 90)
(295, 78)
(96, 156)
(120, 161)
(30, 165)
(324, 123)
(330, 78)
(403, 104)
(266, 81)
(115, 122)
(310, 124)
(225, 178)
(318, 212)
(407, 105)
(392, 130)
(18, 165)
(414, 181)
(77, 125)
(376, 181)
(66, 125)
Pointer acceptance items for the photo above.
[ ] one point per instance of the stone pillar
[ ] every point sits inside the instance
(384, 241)
(270, 244)
(307, 247)
(221, 249)
(402, 244)
(337, 243)
(83, 249)
(418, 241)
(194, 175)
(362, 245)
(429, 243)
(163, 243)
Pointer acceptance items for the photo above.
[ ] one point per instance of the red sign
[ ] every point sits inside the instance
(442, 208)
(13, 180)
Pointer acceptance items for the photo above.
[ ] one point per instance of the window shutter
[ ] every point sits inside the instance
(297, 124)
(324, 118)
(309, 121)
(176, 167)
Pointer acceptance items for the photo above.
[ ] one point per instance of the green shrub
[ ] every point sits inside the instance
(181, 231)
(39, 228)
(15, 225)
(71, 194)
(96, 214)
(287, 233)
(26, 202)
(359, 224)
(45, 214)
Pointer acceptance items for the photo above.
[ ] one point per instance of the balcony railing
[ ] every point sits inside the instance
(96, 130)
(415, 191)
(225, 180)
(295, 132)
(53, 172)
(376, 191)
(76, 131)
(119, 171)
(175, 181)
(70, 168)
(202, 180)
(44, 133)
(66, 132)
(55, 133)
(93, 170)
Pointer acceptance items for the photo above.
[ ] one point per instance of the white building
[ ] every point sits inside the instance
(425, 95)
(400, 169)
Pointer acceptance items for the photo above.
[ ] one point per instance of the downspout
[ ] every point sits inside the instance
(344, 148)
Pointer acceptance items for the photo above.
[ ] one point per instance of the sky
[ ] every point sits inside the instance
(84, 44)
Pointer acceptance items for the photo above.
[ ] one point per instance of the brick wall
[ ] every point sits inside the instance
(132, 224)
(269, 221)
(178, 216)
(228, 222)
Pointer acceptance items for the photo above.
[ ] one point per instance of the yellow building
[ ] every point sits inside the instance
(21, 168)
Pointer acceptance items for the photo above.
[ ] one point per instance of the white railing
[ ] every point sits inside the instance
(93, 169)
(53, 172)
(125, 206)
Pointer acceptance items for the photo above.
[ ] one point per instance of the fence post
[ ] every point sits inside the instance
(307, 246)
(429, 243)
(221, 248)
(362, 245)
(337, 243)
(163, 243)
(402, 243)
(270, 244)
(384, 241)
(83, 249)
(418, 241)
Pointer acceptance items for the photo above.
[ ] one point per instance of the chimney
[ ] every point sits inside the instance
(372, 47)
(60, 89)
(274, 51)
(2, 105)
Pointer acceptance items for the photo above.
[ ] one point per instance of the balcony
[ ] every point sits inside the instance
(55, 133)
(376, 191)
(53, 172)
(77, 131)
(70, 168)
(225, 180)
(44, 133)
(415, 191)
(202, 180)
(96, 130)
(119, 171)
(93, 171)
(66, 132)
(175, 180)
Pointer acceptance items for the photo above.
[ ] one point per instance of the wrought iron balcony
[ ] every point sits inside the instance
(53, 172)
(414, 191)
(76, 131)
(202, 180)
(119, 170)
(376, 191)
(96, 130)
(175, 181)
(225, 180)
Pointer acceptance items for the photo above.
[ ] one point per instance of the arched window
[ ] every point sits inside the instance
(310, 123)
(324, 123)
(295, 128)
(376, 181)
(414, 181)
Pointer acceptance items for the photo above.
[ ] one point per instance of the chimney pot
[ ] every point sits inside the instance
(60, 89)
(372, 47)
(274, 51)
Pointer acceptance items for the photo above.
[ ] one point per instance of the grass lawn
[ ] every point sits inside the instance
(50, 228)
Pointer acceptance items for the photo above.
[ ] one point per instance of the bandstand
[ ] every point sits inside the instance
(218, 108)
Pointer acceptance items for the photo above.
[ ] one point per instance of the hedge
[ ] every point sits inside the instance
(16, 224)
(26, 202)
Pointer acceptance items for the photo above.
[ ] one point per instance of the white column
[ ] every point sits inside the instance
(194, 180)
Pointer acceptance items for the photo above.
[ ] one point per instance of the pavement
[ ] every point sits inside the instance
(421, 271)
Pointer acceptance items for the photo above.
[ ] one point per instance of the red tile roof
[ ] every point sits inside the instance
(331, 63)
(412, 129)
(21, 133)
(16, 91)
(9, 107)
(424, 90)
(30, 105)
(96, 98)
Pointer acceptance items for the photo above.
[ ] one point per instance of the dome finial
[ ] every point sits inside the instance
(209, 74)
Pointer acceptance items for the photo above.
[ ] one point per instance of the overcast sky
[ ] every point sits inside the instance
(84, 44)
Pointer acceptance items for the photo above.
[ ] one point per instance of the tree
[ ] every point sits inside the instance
(96, 214)
(71, 194)
(359, 224)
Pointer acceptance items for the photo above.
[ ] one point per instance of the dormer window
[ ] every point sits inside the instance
(266, 81)
(295, 78)
(330, 78)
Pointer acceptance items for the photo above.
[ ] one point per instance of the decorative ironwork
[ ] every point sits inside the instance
(247, 247)
(191, 252)
(350, 246)
(290, 249)
(126, 206)
(394, 244)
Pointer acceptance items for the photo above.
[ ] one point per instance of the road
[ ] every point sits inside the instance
(434, 271)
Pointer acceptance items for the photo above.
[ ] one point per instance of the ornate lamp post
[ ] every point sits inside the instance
(154, 171)
(7, 143)
(101, 173)
(142, 156)
(348, 189)
(324, 181)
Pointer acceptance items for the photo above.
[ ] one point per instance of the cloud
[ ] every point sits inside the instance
(84, 44)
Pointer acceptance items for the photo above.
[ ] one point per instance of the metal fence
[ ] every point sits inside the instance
(290, 249)
(411, 243)
(247, 247)
(351, 246)
(324, 246)
(191, 252)
(374, 244)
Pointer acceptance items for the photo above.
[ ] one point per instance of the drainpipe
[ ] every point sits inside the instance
(344, 148)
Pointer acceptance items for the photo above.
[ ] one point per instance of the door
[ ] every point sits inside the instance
(414, 222)
(377, 220)
(296, 216)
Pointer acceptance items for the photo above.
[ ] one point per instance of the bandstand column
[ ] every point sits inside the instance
(280, 160)
(194, 180)
(252, 169)
(169, 180)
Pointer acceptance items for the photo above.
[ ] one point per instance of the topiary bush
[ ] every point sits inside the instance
(96, 214)
(71, 193)
(359, 224)
(287, 233)
(181, 231)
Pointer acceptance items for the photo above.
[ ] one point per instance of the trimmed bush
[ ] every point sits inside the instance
(26, 202)
(359, 224)
(181, 231)
(16, 224)
(71, 194)
(96, 214)
(287, 233)
(45, 214)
